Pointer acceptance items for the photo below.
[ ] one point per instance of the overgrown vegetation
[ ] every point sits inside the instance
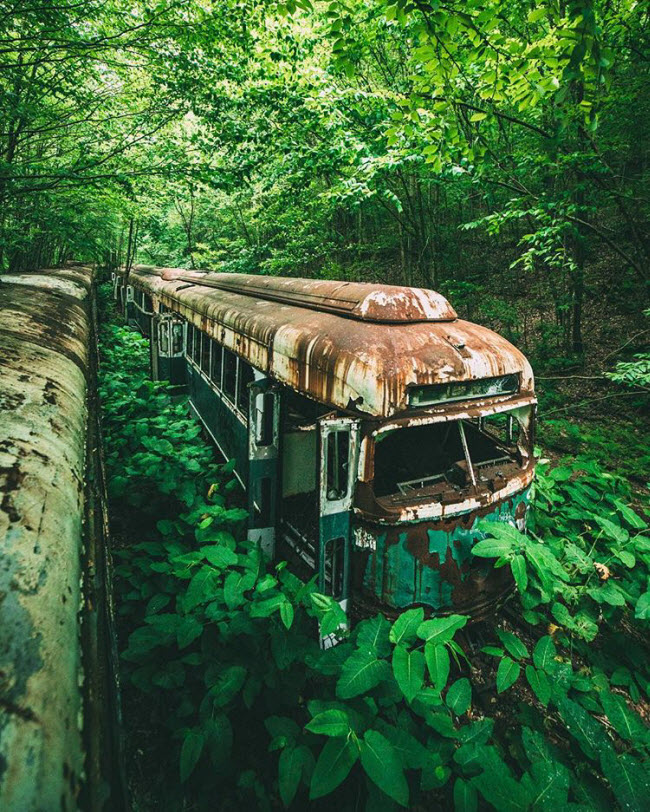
(238, 702)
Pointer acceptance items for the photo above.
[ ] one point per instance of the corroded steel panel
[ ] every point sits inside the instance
(430, 563)
(360, 367)
(45, 334)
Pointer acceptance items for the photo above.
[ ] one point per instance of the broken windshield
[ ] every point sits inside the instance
(452, 455)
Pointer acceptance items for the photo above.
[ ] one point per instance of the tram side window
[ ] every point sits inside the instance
(335, 568)
(229, 374)
(338, 453)
(246, 376)
(177, 337)
(217, 358)
(206, 341)
(147, 302)
(196, 347)
(189, 339)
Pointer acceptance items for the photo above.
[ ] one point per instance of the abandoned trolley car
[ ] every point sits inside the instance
(371, 427)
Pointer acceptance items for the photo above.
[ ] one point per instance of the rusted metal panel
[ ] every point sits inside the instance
(360, 367)
(45, 334)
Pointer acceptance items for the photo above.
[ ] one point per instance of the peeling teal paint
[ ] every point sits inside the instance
(399, 577)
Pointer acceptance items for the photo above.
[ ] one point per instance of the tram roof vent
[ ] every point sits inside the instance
(356, 300)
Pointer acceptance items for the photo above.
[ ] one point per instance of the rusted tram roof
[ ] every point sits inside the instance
(362, 366)
(44, 336)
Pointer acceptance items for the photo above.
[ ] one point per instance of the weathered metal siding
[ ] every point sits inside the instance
(45, 335)
(361, 367)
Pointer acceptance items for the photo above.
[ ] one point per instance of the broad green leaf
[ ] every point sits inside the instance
(507, 674)
(550, 785)
(190, 753)
(539, 683)
(404, 629)
(544, 654)
(465, 796)
(290, 770)
(628, 779)
(518, 566)
(642, 608)
(361, 672)
(513, 644)
(437, 658)
(286, 613)
(188, 630)
(630, 516)
(335, 761)
(459, 696)
(220, 556)
(408, 669)
(478, 116)
(441, 629)
(383, 766)
(589, 733)
(330, 723)
(373, 634)
(626, 722)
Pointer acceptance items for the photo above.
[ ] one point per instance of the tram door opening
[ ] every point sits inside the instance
(167, 350)
(338, 446)
(263, 462)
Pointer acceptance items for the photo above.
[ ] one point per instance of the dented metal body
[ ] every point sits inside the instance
(397, 361)
(57, 686)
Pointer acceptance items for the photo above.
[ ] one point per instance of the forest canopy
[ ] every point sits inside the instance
(478, 147)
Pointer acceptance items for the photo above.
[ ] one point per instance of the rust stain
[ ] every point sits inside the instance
(355, 347)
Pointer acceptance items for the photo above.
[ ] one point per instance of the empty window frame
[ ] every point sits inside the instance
(189, 340)
(229, 385)
(245, 377)
(206, 341)
(338, 464)
(196, 347)
(334, 574)
(217, 364)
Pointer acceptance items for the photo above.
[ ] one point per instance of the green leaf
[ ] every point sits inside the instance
(465, 796)
(513, 644)
(219, 556)
(437, 659)
(373, 633)
(589, 733)
(518, 566)
(539, 683)
(628, 778)
(286, 614)
(361, 672)
(330, 723)
(383, 766)
(404, 629)
(408, 668)
(507, 674)
(478, 116)
(642, 608)
(335, 761)
(544, 654)
(290, 770)
(627, 724)
(189, 629)
(630, 516)
(190, 753)
(459, 696)
(441, 629)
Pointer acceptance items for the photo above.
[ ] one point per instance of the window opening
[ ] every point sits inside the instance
(177, 338)
(217, 359)
(446, 456)
(264, 407)
(335, 568)
(206, 341)
(229, 374)
(163, 338)
(246, 376)
(338, 453)
(196, 347)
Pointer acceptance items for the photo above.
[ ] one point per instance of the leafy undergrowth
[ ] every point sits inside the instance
(231, 703)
